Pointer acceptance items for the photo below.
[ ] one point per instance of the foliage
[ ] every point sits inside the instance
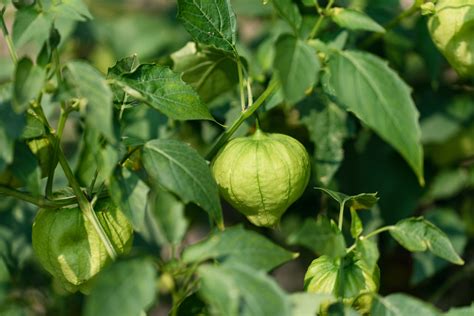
(135, 122)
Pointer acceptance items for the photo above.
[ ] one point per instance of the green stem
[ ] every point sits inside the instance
(243, 116)
(322, 15)
(54, 161)
(341, 215)
(241, 83)
(8, 39)
(378, 231)
(84, 204)
(392, 23)
(37, 200)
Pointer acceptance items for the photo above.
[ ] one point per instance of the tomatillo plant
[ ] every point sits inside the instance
(125, 128)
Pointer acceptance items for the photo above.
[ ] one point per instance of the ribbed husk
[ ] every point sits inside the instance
(68, 247)
(262, 175)
(452, 30)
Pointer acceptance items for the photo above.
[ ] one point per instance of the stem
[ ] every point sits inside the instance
(378, 231)
(391, 24)
(92, 184)
(129, 154)
(56, 145)
(341, 214)
(8, 39)
(241, 83)
(243, 116)
(84, 204)
(37, 200)
(322, 15)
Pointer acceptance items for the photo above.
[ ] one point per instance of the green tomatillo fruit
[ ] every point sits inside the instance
(67, 245)
(262, 175)
(452, 30)
(348, 278)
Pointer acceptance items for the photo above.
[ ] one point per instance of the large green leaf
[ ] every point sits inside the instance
(84, 81)
(235, 289)
(354, 20)
(181, 170)
(418, 234)
(126, 288)
(327, 130)
(297, 67)
(366, 86)
(31, 25)
(164, 90)
(209, 71)
(27, 84)
(209, 22)
(322, 236)
(288, 10)
(401, 305)
(130, 193)
(236, 244)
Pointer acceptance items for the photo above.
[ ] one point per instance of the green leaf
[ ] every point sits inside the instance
(321, 236)
(400, 305)
(11, 126)
(309, 304)
(356, 202)
(209, 22)
(27, 83)
(288, 10)
(130, 193)
(418, 234)
(181, 170)
(345, 277)
(366, 86)
(235, 289)
(327, 130)
(211, 72)
(368, 252)
(219, 289)
(448, 220)
(125, 288)
(297, 67)
(71, 9)
(31, 25)
(86, 82)
(168, 214)
(356, 224)
(236, 244)
(354, 20)
(123, 66)
(165, 91)
(447, 183)
(25, 168)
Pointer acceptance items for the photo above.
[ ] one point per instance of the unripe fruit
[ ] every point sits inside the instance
(452, 30)
(67, 245)
(262, 175)
(348, 278)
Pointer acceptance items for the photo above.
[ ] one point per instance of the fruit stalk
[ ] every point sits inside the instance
(243, 116)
